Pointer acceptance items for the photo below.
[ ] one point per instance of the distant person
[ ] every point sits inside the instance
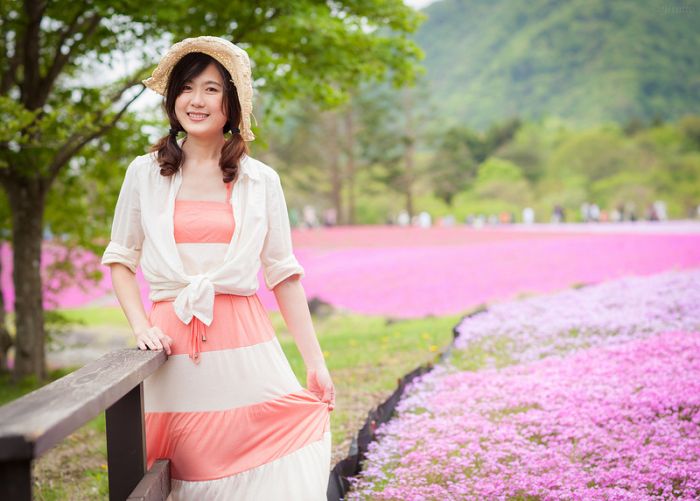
(330, 217)
(558, 215)
(621, 212)
(528, 215)
(660, 207)
(651, 214)
(424, 220)
(403, 219)
(585, 207)
(310, 218)
(294, 217)
(615, 215)
(447, 221)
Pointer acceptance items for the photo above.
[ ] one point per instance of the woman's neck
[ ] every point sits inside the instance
(203, 149)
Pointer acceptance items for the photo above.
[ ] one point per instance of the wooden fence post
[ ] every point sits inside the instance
(126, 444)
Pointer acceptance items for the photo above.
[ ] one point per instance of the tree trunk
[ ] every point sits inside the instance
(350, 167)
(336, 174)
(409, 152)
(5, 339)
(27, 199)
(408, 175)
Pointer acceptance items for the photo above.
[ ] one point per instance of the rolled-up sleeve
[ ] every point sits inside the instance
(277, 256)
(127, 233)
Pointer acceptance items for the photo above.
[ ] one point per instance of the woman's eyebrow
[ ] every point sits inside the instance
(208, 82)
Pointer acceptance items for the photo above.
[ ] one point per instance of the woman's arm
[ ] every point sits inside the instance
(294, 308)
(127, 291)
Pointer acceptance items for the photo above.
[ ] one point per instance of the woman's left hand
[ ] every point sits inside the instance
(318, 381)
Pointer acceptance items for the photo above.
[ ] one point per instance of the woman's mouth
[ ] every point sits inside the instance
(197, 117)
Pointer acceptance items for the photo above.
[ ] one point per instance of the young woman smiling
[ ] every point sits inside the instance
(200, 216)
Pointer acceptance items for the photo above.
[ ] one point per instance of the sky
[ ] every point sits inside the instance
(418, 4)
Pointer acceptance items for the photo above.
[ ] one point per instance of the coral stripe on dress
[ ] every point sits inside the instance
(238, 321)
(215, 444)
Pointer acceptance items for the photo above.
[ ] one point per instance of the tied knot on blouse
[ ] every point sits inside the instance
(194, 305)
(196, 299)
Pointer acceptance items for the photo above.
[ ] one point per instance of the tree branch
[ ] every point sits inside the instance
(77, 141)
(88, 28)
(252, 27)
(10, 76)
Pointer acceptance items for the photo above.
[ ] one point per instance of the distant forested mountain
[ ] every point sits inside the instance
(584, 60)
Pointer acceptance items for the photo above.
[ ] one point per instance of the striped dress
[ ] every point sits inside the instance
(226, 408)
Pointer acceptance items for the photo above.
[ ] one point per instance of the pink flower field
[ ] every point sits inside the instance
(592, 393)
(608, 423)
(414, 272)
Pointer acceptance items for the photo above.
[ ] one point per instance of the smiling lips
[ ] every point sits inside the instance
(197, 117)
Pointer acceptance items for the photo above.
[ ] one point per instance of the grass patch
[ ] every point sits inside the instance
(486, 352)
(76, 468)
(95, 316)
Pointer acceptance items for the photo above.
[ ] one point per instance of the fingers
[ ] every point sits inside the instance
(329, 396)
(154, 339)
(166, 341)
(321, 385)
(153, 342)
(166, 345)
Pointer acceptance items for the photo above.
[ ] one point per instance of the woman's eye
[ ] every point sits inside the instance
(187, 87)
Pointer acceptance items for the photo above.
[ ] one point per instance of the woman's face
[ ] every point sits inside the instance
(199, 107)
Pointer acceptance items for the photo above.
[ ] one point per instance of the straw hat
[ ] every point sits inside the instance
(232, 57)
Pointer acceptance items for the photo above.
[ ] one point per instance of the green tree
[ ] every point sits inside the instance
(392, 130)
(460, 151)
(500, 179)
(454, 165)
(52, 106)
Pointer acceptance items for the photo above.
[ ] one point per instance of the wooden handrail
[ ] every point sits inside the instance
(32, 424)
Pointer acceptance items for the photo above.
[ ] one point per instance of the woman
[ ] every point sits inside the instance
(200, 217)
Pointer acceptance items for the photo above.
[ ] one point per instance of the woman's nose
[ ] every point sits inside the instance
(197, 96)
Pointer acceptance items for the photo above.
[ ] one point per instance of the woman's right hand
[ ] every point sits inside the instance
(153, 338)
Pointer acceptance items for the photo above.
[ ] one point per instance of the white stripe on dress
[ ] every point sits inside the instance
(222, 380)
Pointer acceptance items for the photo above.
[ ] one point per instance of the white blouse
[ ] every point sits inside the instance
(142, 233)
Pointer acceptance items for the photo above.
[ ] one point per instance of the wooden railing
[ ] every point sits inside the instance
(32, 424)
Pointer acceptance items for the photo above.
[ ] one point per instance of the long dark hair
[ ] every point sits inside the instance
(170, 155)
